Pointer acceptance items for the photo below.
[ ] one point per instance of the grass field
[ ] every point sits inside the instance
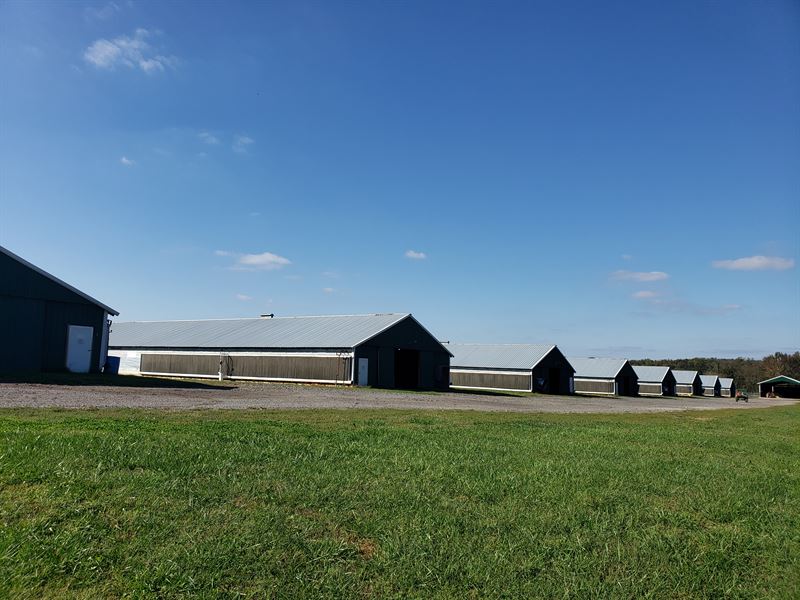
(399, 504)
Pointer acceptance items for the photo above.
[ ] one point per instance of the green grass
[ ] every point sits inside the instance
(399, 504)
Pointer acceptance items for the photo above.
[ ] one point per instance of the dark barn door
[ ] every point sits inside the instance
(406, 368)
(554, 381)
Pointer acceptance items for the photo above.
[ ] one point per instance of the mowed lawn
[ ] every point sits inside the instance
(399, 504)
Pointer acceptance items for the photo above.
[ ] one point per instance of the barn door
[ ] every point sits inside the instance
(79, 348)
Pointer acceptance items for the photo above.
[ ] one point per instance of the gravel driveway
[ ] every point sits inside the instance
(181, 395)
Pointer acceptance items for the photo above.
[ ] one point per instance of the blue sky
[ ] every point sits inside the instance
(619, 178)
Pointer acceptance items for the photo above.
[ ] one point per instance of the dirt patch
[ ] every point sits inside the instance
(257, 395)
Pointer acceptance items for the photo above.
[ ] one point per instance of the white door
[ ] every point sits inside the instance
(79, 348)
(363, 371)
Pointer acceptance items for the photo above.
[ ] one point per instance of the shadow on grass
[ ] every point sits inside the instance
(99, 379)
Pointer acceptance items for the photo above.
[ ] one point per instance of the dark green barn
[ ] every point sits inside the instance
(382, 350)
(46, 324)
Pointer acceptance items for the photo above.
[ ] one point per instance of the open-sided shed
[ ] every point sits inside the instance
(46, 324)
(710, 384)
(781, 386)
(687, 383)
(510, 367)
(727, 387)
(604, 376)
(383, 350)
(655, 380)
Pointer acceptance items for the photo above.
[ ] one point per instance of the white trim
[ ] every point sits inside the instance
(488, 372)
(206, 376)
(243, 353)
(489, 389)
(291, 379)
(605, 379)
(587, 393)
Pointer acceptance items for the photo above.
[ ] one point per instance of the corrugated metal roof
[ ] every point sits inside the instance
(650, 373)
(341, 331)
(600, 368)
(726, 382)
(708, 380)
(55, 279)
(497, 356)
(684, 377)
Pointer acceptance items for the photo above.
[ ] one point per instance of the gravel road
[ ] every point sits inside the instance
(182, 395)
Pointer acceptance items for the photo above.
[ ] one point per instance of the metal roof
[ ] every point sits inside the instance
(726, 382)
(651, 373)
(600, 368)
(780, 379)
(55, 279)
(709, 380)
(684, 377)
(498, 356)
(340, 331)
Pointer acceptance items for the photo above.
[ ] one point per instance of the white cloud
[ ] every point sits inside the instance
(627, 257)
(266, 261)
(645, 294)
(208, 138)
(328, 290)
(90, 13)
(133, 52)
(755, 263)
(639, 276)
(223, 253)
(243, 297)
(127, 161)
(241, 143)
(414, 255)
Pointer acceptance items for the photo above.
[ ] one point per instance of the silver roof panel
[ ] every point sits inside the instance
(599, 368)
(684, 377)
(340, 331)
(709, 380)
(726, 382)
(497, 356)
(651, 373)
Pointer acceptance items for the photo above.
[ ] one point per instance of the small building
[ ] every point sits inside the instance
(382, 350)
(46, 324)
(510, 367)
(655, 380)
(710, 384)
(781, 386)
(687, 383)
(604, 376)
(727, 387)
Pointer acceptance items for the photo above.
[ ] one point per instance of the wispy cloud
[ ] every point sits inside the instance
(639, 276)
(414, 255)
(328, 290)
(208, 138)
(243, 297)
(127, 161)
(755, 263)
(108, 10)
(627, 257)
(241, 143)
(657, 303)
(133, 52)
(266, 261)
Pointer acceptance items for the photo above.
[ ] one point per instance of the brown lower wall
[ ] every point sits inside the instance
(304, 368)
(651, 389)
(594, 387)
(497, 381)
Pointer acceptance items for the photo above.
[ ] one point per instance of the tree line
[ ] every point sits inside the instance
(746, 372)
